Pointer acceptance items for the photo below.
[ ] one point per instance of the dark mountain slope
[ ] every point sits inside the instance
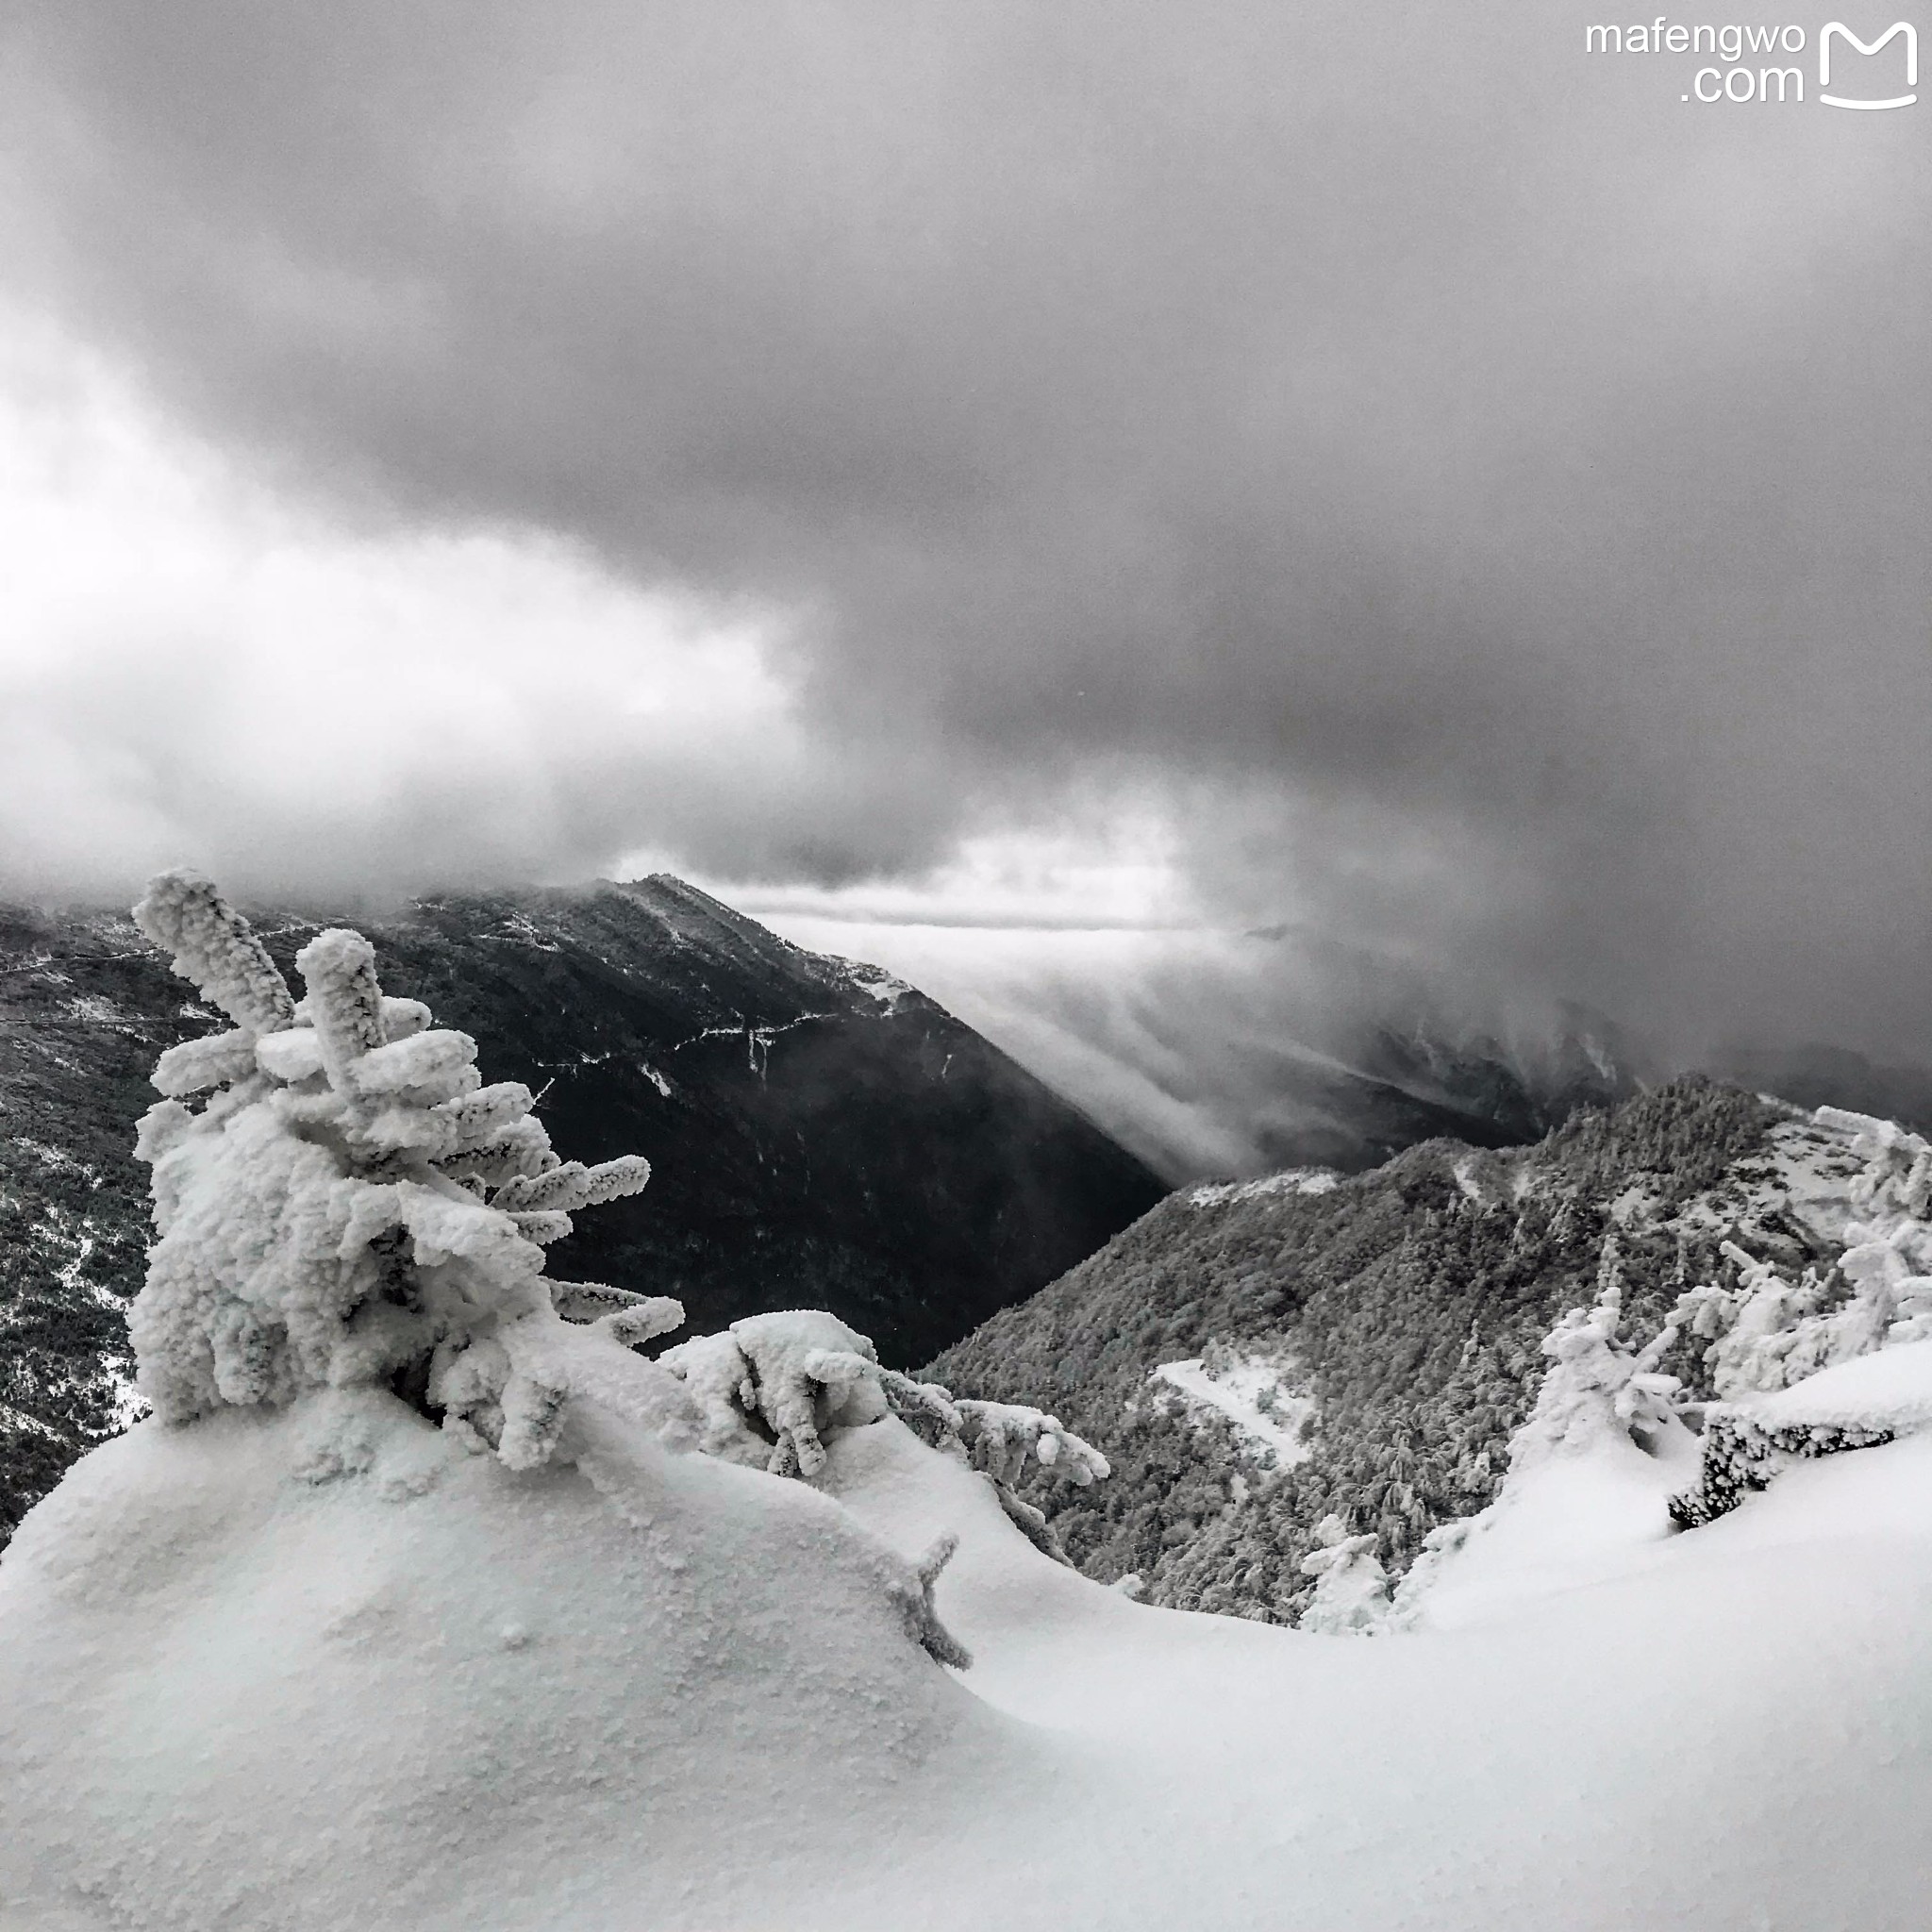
(84, 1007)
(821, 1135)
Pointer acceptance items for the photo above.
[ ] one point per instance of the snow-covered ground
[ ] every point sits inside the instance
(1648, 1741)
(1291, 1180)
(241, 1685)
(1238, 1388)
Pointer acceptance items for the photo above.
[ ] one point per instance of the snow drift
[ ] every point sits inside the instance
(418, 1603)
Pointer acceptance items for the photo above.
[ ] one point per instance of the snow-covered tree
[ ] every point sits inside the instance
(1765, 1332)
(1739, 1452)
(352, 1205)
(1595, 1387)
(1351, 1586)
(1439, 1547)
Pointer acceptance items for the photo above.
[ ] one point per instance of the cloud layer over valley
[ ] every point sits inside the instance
(1457, 496)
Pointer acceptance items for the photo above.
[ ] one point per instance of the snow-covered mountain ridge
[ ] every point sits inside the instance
(1407, 1312)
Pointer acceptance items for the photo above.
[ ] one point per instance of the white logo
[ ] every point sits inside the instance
(1897, 28)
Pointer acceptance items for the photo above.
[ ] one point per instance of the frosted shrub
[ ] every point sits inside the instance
(1766, 1333)
(1351, 1588)
(769, 1385)
(773, 1386)
(1742, 1454)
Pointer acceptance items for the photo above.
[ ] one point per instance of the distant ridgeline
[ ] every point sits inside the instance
(1257, 1359)
(824, 1136)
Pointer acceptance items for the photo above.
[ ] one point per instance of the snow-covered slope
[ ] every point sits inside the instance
(1722, 1729)
(249, 1680)
(433, 1692)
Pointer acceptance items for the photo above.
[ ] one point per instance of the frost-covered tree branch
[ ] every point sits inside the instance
(997, 1438)
(214, 947)
(773, 1386)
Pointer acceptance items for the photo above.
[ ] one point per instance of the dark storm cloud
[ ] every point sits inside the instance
(1484, 495)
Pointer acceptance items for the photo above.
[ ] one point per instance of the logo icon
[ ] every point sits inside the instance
(1891, 33)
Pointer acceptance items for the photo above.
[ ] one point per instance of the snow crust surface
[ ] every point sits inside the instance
(1725, 1728)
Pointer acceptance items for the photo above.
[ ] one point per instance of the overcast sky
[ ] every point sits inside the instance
(1382, 471)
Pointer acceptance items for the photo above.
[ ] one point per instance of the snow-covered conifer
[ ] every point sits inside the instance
(1594, 1388)
(717, 1379)
(1439, 1547)
(1000, 1436)
(1766, 1333)
(771, 1386)
(309, 1234)
(1351, 1586)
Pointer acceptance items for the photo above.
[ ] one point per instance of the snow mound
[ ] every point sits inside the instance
(325, 1665)
(1891, 1390)
(1574, 1748)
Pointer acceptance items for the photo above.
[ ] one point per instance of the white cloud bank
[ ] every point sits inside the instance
(194, 668)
